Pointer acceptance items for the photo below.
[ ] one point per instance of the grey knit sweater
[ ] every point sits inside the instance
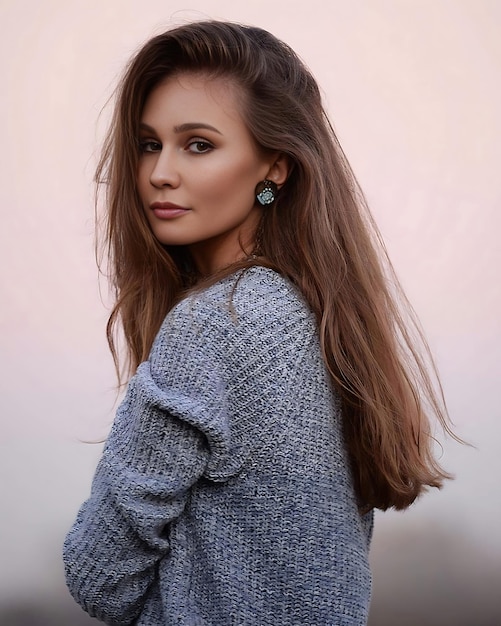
(223, 496)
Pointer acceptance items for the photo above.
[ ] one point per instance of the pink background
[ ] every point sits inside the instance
(414, 91)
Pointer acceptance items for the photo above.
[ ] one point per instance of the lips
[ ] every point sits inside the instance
(167, 210)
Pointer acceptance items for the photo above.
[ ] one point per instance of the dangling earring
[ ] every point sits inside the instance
(266, 192)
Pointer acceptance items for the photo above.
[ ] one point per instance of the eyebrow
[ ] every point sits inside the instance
(182, 128)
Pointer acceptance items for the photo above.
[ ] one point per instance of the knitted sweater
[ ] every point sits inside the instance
(224, 496)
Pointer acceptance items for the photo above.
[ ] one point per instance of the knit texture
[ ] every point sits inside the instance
(223, 496)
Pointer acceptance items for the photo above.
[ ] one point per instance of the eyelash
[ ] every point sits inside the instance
(145, 145)
(149, 145)
(207, 146)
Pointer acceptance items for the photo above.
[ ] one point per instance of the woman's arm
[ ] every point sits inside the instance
(194, 408)
(150, 461)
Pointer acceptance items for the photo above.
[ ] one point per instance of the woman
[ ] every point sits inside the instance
(277, 397)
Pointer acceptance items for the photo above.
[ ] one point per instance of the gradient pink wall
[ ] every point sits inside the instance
(414, 90)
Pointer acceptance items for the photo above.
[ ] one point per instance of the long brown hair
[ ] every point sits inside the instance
(319, 233)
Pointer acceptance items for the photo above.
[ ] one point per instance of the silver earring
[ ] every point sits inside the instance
(266, 192)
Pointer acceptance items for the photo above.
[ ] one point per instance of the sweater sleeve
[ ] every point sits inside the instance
(194, 409)
(159, 446)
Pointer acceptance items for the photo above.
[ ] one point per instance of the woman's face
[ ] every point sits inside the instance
(198, 169)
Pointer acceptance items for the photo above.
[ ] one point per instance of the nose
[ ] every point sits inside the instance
(164, 172)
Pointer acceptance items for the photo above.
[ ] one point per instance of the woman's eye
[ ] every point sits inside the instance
(149, 146)
(199, 146)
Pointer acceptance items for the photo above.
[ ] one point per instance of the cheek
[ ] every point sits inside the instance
(230, 194)
(233, 182)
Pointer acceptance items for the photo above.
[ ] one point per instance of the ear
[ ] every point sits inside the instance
(279, 169)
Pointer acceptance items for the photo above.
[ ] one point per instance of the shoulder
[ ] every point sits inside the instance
(234, 360)
(252, 297)
(256, 310)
